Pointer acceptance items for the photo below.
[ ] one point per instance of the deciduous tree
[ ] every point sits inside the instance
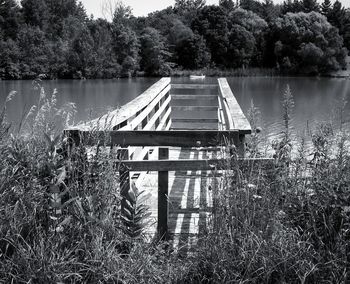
(35, 12)
(192, 52)
(10, 18)
(308, 43)
(212, 24)
(154, 55)
(241, 47)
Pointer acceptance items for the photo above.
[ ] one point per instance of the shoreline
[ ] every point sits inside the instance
(212, 73)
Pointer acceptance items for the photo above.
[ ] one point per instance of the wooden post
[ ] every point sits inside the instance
(163, 183)
(241, 146)
(124, 177)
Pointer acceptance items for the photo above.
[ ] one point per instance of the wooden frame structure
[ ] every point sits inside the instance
(150, 121)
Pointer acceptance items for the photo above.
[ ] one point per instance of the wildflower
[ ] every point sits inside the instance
(251, 186)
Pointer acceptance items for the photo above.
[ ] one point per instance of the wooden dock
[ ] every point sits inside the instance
(173, 142)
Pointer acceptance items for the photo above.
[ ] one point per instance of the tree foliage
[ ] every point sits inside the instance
(326, 8)
(242, 46)
(192, 53)
(308, 44)
(10, 18)
(212, 24)
(58, 39)
(154, 55)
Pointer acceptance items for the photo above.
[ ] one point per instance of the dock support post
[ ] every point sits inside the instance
(241, 146)
(163, 183)
(124, 177)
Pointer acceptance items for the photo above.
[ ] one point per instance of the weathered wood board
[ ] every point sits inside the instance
(240, 122)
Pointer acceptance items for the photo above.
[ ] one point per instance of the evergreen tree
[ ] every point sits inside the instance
(291, 6)
(309, 6)
(326, 7)
(337, 16)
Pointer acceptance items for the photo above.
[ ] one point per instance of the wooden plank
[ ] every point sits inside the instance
(240, 121)
(146, 150)
(190, 210)
(194, 126)
(144, 114)
(194, 93)
(113, 119)
(148, 126)
(154, 118)
(194, 86)
(195, 108)
(221, 117)
(173, 138)
(192, 97)
(195, 165)
(228, 116)
(193, 114)
(194, 101)
(163, 192)
(163, 121)
(195, 120)
(168, 126)
(195, 138)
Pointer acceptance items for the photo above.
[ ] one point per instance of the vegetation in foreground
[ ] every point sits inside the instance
(60, 221)
(59, 39)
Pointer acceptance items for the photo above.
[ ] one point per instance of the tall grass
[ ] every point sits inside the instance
(286, 225)
(60, 219)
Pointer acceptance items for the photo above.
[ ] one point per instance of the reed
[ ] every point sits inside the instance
(60, 219)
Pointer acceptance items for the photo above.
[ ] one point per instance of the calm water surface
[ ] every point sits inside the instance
(92, 97)
(315, 99)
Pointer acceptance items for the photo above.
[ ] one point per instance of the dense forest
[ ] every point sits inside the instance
(59, 40)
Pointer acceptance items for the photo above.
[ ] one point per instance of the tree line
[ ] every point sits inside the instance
(59, 39)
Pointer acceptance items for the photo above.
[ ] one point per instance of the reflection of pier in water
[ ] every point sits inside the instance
(170, 141)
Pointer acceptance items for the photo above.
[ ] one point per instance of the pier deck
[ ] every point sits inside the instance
(170, 142)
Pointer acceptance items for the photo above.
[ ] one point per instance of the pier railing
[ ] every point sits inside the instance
(148, 122)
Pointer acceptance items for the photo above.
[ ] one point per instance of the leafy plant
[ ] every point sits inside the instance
(134, 211)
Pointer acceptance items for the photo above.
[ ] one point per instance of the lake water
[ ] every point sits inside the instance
(315, 98)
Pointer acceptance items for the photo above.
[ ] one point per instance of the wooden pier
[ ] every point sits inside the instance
(172, 141)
